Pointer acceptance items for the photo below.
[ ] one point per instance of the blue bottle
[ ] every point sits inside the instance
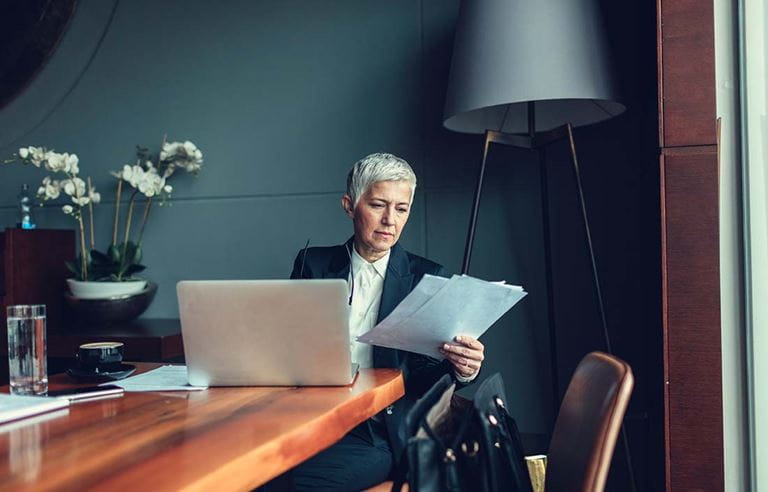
(26, 202)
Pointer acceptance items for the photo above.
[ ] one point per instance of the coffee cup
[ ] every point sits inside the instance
(100, 357)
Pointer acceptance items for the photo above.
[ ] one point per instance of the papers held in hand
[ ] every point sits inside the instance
(438, 309)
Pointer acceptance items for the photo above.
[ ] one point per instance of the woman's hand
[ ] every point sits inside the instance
(465, 353)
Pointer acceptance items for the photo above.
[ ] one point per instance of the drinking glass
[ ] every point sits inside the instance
(28, 372)
(537, 470)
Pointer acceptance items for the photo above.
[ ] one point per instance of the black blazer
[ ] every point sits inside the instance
(404, 271)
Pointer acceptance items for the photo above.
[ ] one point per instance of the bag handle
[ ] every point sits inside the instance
(400, 475)
(448, 456)
(512, 447)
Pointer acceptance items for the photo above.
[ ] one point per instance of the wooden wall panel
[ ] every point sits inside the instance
(686, 73)
(691, 280)
(690, 246)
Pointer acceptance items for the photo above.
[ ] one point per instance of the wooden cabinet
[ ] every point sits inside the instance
(32, 271)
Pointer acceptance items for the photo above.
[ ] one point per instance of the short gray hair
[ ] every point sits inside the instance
(378, 167)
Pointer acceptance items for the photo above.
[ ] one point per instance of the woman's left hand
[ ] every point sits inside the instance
(465, 353)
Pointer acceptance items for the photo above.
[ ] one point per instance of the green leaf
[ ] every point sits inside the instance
(73, 267)
(135, 268)
(114, 253)
(137, 255)
(131, 253)
(99, 258)
(129, 249)
(99, 271)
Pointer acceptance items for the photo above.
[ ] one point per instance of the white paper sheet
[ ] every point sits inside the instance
(434, 313)
(424, 291)
(13, 407)
(164, 378)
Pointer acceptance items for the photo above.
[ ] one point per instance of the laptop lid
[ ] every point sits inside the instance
(266, 332)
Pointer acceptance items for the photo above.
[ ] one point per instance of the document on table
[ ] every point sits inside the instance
(438, 309)
(164, 378)
(14, 407)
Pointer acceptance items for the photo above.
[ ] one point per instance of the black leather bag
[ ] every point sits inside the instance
(473, 448)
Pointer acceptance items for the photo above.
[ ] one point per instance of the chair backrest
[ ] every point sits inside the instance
(588, 424)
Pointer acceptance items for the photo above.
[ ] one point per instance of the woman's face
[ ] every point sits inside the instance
(379, 217)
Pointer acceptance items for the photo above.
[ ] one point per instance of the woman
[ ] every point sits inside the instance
(380, 191)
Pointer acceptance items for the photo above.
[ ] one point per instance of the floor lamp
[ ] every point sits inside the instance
(525, 73)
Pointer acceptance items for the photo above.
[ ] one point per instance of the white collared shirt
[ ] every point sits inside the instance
(368, 285)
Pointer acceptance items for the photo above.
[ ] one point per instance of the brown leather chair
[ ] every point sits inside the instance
(588, 424)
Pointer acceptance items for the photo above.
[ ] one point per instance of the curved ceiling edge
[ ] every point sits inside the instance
(61, 73)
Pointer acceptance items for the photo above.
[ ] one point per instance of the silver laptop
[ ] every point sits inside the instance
(266, 332)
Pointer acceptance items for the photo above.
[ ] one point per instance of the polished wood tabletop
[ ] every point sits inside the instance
(216, 439)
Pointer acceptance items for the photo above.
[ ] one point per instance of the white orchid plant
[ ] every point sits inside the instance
(148, 179)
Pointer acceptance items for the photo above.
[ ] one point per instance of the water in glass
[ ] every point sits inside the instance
(28, 373)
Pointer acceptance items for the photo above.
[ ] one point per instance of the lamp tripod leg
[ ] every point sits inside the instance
(553, 365)
(596, 278)
(475, 207)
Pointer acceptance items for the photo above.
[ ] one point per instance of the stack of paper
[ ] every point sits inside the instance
(165, 378)
(438, 309)
(13, 407)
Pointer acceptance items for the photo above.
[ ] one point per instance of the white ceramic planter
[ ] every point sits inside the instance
(104, 290)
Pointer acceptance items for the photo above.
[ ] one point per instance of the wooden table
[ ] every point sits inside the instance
(217, 439)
